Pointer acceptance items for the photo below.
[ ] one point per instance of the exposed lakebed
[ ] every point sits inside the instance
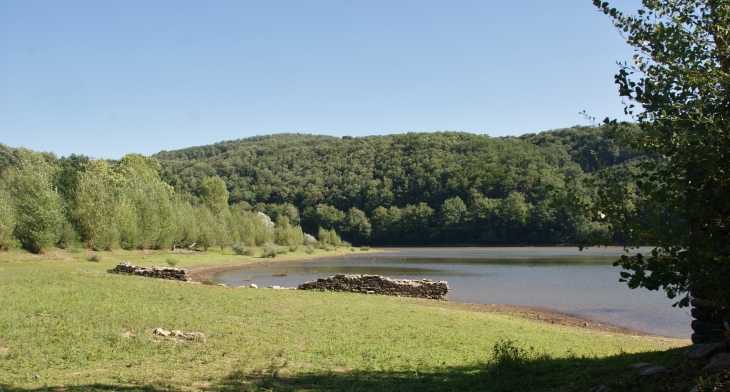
(580, 283)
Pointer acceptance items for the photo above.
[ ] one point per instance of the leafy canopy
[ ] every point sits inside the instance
(675, 199)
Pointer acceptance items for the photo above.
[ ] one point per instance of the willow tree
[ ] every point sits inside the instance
(146, 216)
(37, 205)
(94, 208)
(7, 220)
(676, 199)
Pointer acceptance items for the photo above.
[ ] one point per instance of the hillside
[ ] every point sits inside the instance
(445, 186)
(407, 189)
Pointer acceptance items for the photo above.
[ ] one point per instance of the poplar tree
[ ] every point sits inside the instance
(37, 205)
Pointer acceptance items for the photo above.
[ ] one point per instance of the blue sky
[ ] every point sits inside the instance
(107, 78)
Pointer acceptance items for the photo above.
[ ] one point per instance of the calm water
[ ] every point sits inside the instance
(583, 284)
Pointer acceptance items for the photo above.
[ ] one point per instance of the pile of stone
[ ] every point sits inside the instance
(199, 336)
(709, 323)
(376, 284)
(153, 272)
(710, 336)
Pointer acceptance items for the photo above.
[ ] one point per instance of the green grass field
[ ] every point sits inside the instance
(62, 319)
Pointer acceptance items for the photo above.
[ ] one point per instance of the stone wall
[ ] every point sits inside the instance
(153, 272)
(375, 284)
(708, 325)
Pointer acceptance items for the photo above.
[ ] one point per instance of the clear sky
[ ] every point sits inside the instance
(107, 78)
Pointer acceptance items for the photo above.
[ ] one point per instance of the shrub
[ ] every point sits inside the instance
(293, 248)
(515, 368)
(329, 237)
(364, 248)
(271, 250)
(95, 258)
(67, 237)
(241, 249)
(171, 262)
(309, 239)
(310, 249)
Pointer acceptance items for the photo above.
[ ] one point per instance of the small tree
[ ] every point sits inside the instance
(356, 226)
(7, 220)
(677, 200)
(214, 194)
(37, 206)
(94, 207)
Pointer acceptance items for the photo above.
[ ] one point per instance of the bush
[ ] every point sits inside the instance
(310, 249)
(171, 262)
(241, 249)
(67, 237)
(329, 237)
(364, 248)
(271, 250)
(515, 368)
(293, 248)
(95, 258)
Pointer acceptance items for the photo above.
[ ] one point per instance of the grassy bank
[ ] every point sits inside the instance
(62, 320)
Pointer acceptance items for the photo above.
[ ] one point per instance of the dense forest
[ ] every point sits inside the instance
(407, 189)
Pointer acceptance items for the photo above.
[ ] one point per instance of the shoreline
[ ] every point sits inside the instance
(544, 315)
(200, 273)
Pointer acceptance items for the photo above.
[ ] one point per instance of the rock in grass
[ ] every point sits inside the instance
(195, 336)
(129, 335)
(718, 363)
(705, 350)
(253, 286)
(161, 332)
(647, 369)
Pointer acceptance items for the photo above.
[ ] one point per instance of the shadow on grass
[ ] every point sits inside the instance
(511, 368)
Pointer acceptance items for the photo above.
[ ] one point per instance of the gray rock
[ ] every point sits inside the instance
(700, 351)
(718, 363)
(638, 366)
(599, 388)
(253, 286)
(375, 284)
(177, 333)
(129, 335)
(654, 369)
(647, 369)
(153, 272)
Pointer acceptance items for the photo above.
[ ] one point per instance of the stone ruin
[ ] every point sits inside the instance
(153, 272)
(709, 323)
(376, 284)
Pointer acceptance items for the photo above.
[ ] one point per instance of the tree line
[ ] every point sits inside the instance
(47, 202)
(412, 189)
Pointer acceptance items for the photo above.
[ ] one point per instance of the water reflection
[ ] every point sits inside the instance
(581, 283)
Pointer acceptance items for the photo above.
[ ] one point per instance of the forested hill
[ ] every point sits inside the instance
(412, 189)
(443, 187)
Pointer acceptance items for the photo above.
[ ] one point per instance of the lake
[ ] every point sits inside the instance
(580, 283)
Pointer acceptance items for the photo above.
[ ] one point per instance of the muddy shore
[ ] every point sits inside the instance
(535, 314)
